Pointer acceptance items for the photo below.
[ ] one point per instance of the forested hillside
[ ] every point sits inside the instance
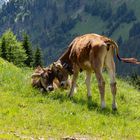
(53, 24)
(1, 2)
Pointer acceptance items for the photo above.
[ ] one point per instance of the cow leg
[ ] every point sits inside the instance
(113, 88)
(73, 85)
(101, 85)
(110, 65)
(87, 81)
(111, 71)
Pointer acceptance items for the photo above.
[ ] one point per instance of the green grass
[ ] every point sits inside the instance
(25, 113)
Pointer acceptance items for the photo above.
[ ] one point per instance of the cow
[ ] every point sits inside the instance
(45, 79)
(91, 53)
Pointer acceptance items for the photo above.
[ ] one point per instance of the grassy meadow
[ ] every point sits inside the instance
(25, 113)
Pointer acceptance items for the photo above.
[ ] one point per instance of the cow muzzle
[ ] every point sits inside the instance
(63, 84)
(50, 88)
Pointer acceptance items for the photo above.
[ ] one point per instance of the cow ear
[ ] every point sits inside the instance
(38, 68)
(44, 69)
(36, 75)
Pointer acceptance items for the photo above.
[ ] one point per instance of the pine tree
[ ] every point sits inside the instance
(38, 58)
(27, 46)
(120, 41)
(3, 48)
(13, 50)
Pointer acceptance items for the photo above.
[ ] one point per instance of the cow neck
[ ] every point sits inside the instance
(64, 59)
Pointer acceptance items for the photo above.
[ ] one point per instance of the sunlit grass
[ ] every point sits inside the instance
(27, 113)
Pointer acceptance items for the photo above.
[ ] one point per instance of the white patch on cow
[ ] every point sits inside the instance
(87, 81)
(114, 105)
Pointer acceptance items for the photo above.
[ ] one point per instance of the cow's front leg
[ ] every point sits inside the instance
(87, 81)
(73, 85)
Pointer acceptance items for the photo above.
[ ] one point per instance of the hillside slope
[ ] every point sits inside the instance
(25, 113)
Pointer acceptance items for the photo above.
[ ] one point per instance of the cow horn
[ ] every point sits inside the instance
(58, 64)
(65, 65)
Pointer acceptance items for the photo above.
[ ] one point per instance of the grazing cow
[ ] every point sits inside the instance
(91, 52)
(44, 79)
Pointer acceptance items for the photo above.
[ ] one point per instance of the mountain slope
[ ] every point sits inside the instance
(53, 24)
(2, 2)
(27, 114)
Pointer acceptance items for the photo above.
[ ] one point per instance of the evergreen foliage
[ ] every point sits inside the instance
(3, 48)
(38, 57)
(121, 11)
(28, 49)
(135, 30)
(120, 40)
(12, 49)
(135, 80)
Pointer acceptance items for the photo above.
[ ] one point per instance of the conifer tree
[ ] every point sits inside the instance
(13, 50)
(38, 57)
(3, 48)
(27, 46)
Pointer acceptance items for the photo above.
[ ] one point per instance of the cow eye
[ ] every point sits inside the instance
(58, 71)
(60, 75)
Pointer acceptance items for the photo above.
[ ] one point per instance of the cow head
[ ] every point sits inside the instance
(60, 73)
(43, 78)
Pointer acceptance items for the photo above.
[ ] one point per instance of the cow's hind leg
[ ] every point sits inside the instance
(101, 85)
(111, 70)
(87, 81)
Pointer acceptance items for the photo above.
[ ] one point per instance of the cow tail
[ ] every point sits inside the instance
(125, 60)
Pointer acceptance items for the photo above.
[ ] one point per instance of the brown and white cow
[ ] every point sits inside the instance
(91, 52)
(45, 79)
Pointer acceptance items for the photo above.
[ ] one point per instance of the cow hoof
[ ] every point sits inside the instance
(103, 106)
(70, 96)
(114, 107)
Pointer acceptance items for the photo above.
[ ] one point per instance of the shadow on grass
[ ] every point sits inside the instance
(96, 107)
(92, 106)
